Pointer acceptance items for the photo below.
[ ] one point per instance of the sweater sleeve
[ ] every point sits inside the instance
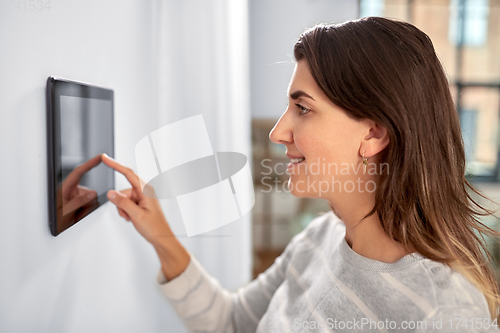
(204, 305)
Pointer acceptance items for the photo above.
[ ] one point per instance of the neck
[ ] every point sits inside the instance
(368, 238)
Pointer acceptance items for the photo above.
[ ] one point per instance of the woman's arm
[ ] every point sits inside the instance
(204, 305)
(174, 258)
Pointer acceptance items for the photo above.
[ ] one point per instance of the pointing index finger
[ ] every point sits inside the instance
(127, 172)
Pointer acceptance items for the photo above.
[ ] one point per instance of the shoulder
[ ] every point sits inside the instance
(440, 290)
(452, 289)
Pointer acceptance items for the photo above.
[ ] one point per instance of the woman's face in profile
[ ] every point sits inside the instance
(314, 128)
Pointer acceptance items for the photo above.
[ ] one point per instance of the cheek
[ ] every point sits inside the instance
(331, 146)
(310, 147)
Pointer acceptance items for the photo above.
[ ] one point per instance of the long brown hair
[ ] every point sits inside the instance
(387, 71)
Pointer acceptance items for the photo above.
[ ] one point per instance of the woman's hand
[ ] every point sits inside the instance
(145, 213)
(147, 217)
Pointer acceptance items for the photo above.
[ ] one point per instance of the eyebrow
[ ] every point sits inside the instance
(299, 93)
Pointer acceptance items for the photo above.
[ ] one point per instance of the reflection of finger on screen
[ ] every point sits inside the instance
(127, 172)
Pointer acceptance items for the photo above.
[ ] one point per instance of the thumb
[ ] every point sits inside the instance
(123, 202)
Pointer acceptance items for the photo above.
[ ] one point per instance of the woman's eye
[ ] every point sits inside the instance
(303, 110)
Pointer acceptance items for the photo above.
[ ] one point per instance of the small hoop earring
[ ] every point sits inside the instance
(365, 163)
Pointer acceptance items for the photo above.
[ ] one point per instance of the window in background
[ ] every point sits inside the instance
(468, 123)
(371, 8)
(468, 22)
(479, 120)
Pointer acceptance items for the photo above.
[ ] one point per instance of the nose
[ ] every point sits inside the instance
(282, 131)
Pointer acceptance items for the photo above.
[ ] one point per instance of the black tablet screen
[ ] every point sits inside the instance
(82, 128)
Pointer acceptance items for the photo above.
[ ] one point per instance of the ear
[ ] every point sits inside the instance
(375, 140)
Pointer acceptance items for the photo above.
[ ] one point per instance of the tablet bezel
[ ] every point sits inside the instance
(57, 87)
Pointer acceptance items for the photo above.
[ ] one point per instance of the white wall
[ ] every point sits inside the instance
(275, 26)
(98, 276)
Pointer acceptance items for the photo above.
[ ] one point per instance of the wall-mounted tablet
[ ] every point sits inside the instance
(80, 127)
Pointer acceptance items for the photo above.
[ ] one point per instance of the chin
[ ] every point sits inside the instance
(298, 191)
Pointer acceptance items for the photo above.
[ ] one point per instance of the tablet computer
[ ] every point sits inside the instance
(80, 127)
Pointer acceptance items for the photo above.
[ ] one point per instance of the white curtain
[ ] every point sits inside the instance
(203, 68)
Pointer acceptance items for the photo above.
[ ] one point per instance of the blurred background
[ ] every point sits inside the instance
(230, 60)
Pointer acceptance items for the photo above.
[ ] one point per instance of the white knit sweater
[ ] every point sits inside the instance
(319, 284)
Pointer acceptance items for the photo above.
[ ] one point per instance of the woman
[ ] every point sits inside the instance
(371, 128)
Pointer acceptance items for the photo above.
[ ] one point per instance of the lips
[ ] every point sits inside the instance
(290, 156)
(295, 159)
